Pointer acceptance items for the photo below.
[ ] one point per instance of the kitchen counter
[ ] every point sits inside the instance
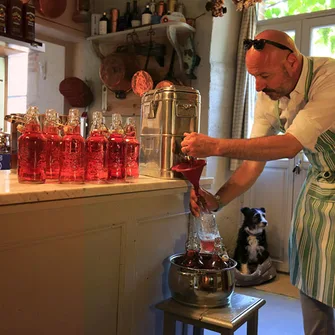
(88, 259)
(12, 192)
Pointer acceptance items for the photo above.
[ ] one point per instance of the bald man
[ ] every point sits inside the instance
(295, 98)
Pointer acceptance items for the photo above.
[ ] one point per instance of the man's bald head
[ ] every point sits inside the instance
(276, 69)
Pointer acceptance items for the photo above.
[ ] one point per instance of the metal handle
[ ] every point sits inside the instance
(297, 168)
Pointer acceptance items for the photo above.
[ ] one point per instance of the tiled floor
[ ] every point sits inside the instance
(281, 315)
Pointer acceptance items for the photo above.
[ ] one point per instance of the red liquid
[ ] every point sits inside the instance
(31, 155)
(52, 152)
(96, 157)
(192, 259)
(132, 148)
(116, 153)
(207, 246)
(216, 263)
(73, 158)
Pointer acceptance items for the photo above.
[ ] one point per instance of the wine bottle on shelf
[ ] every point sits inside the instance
(51, 133)
(96, 151)
(31, 153)
(72, 151)
(146, 16)
(3, 16)
(104, 24)
(127, 16)
(135, 12)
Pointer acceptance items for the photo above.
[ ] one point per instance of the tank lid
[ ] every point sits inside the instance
(173, 88)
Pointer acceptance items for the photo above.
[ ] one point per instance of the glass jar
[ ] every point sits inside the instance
(96, 151)
(72, 151)
(32, 150)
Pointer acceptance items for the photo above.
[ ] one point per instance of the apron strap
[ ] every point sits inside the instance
(308, 83)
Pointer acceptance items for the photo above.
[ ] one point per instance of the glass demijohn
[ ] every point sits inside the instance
(192, 257)
(51, 133)
(132, 148)
(96, 151)
(72, 151)
(31, 152)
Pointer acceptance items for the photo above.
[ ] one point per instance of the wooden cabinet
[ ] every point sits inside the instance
(92, 265)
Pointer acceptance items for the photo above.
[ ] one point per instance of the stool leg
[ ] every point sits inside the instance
(198, 331)
(252, 324)
(169, 324)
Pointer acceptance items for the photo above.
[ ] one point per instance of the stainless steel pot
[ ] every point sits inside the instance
(200, 287)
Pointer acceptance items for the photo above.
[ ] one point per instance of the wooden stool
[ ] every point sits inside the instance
(224, 320)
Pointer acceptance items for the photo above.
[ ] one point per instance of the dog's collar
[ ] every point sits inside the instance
(252, 234)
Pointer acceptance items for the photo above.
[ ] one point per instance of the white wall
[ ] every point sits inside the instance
(45, 72)
(222, 86)
(216, 43)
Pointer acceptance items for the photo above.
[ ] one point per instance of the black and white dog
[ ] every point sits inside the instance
(251, 249)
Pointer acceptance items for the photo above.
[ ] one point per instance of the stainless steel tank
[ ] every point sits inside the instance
(166, 114)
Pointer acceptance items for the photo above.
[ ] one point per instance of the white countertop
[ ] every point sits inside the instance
(12, 192)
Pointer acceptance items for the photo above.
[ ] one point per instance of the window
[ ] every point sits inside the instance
(270, 9)
(17, 83)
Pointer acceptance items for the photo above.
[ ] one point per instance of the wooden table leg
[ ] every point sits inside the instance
(198, 331)
(169, 324)
(252, 324)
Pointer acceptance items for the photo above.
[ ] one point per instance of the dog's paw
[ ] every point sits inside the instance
(244, 269)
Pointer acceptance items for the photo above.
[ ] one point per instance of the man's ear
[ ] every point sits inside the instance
(291, 63)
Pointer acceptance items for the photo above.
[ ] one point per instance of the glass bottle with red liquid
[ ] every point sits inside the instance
(192, 257)
(96, 151)
(132, 149)
(220, 258)
(31, 151)
(51, 133)
(72, 151)
(116, 150)
(207, 231)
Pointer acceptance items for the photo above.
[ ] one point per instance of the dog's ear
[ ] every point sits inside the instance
(262, 209)
(245, 210)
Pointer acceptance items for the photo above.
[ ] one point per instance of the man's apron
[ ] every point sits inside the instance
(312, 238)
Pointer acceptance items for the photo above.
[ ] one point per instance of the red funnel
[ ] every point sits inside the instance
(192, 171)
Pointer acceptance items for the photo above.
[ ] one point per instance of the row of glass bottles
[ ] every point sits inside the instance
(105, 156)
(204, 251)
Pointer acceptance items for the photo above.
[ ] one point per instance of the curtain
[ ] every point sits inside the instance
(244, 99)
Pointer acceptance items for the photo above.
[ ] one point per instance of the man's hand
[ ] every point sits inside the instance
(204, 202)
(199, 145)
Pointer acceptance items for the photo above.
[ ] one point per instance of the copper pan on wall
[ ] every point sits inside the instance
(50, 8)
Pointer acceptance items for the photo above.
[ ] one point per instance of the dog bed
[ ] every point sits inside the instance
(264, 272)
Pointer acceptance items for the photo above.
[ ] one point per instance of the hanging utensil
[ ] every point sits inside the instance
(50, 8)
(117, 69)
(169, 78)
(142, 81)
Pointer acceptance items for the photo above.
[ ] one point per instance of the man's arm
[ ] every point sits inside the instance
(265, 148)
(241, 180)
(260, 148)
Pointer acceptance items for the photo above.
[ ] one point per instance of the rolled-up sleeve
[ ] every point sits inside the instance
(318, 115)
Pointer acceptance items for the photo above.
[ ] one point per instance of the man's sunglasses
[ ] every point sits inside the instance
(260, 44)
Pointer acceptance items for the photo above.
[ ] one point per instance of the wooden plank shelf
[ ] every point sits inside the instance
(12, 45)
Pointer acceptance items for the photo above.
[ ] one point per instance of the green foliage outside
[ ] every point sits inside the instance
(281, 8)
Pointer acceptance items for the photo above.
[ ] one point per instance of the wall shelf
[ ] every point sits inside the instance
(10, 46)
(171, 30)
